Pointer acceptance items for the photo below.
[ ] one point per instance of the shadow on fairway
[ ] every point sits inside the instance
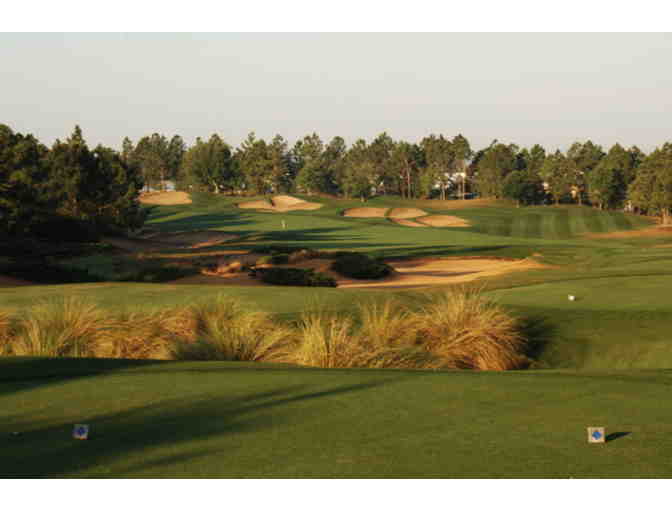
(50, 451)
(26, 373)
(615, 435)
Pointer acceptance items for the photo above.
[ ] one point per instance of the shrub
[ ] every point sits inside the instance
(63, 327)
(43, 272)
(295, 276)
(225, 331)
(270, 249)
(360, 266)
(156, 273)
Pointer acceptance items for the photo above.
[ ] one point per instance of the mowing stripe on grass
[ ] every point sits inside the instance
(533, 225)
(562, 223)
(593, 221)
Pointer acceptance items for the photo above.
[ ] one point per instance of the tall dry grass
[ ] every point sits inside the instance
(459, 328)
(61, 327)
(225, 330)
(467, 330)
(143, 335)
(6, 332)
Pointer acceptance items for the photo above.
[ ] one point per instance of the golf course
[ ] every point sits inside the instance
(600, 359)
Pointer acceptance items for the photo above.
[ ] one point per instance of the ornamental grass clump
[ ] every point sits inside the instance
(62, 327)
(225, 330)
(6, 332)
(142, 335)
(468, 331)
(325, 340)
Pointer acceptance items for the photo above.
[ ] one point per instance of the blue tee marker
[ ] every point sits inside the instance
(80, 431)
(596, 435)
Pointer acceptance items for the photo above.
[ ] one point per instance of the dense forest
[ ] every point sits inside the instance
(85, 192)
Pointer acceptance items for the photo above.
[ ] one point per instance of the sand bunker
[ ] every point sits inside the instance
(431, 272)
(442, 220)
(406, 212)
(165, 198)
(408, 274)
(281, 203)
(366, 212)
(407, 223)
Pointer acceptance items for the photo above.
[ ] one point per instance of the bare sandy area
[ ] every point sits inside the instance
(366, 212)
(442, 220)
(165, 198)
(408, 274)
(407, 223)
(657, 231)
(280, 203)
(406, 213)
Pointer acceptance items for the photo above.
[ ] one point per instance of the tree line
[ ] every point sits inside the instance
(101, 186)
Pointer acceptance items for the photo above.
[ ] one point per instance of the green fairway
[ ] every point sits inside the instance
(238, 420)
(603, 359)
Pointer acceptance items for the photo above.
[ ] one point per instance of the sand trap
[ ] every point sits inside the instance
(280, 203)
(431, 272)
(406, 212)
(442, 220)
(407, 223)
(408, 274)
(366, 212)
(165, 198)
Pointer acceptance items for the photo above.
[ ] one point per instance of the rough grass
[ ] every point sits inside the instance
(457, 329)
(467, 330)
(226, 331)
(62, 327)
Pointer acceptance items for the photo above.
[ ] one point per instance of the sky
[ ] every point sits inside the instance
(546, 88)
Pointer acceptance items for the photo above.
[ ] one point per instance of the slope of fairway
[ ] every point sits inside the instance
(213, 419)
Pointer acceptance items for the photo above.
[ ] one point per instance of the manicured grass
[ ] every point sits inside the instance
(241, 420)
(604, 359)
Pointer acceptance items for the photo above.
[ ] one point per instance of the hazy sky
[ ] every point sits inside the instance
(550, 89)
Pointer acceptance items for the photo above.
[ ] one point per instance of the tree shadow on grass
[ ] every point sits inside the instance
(19, 373)
(130, 438)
